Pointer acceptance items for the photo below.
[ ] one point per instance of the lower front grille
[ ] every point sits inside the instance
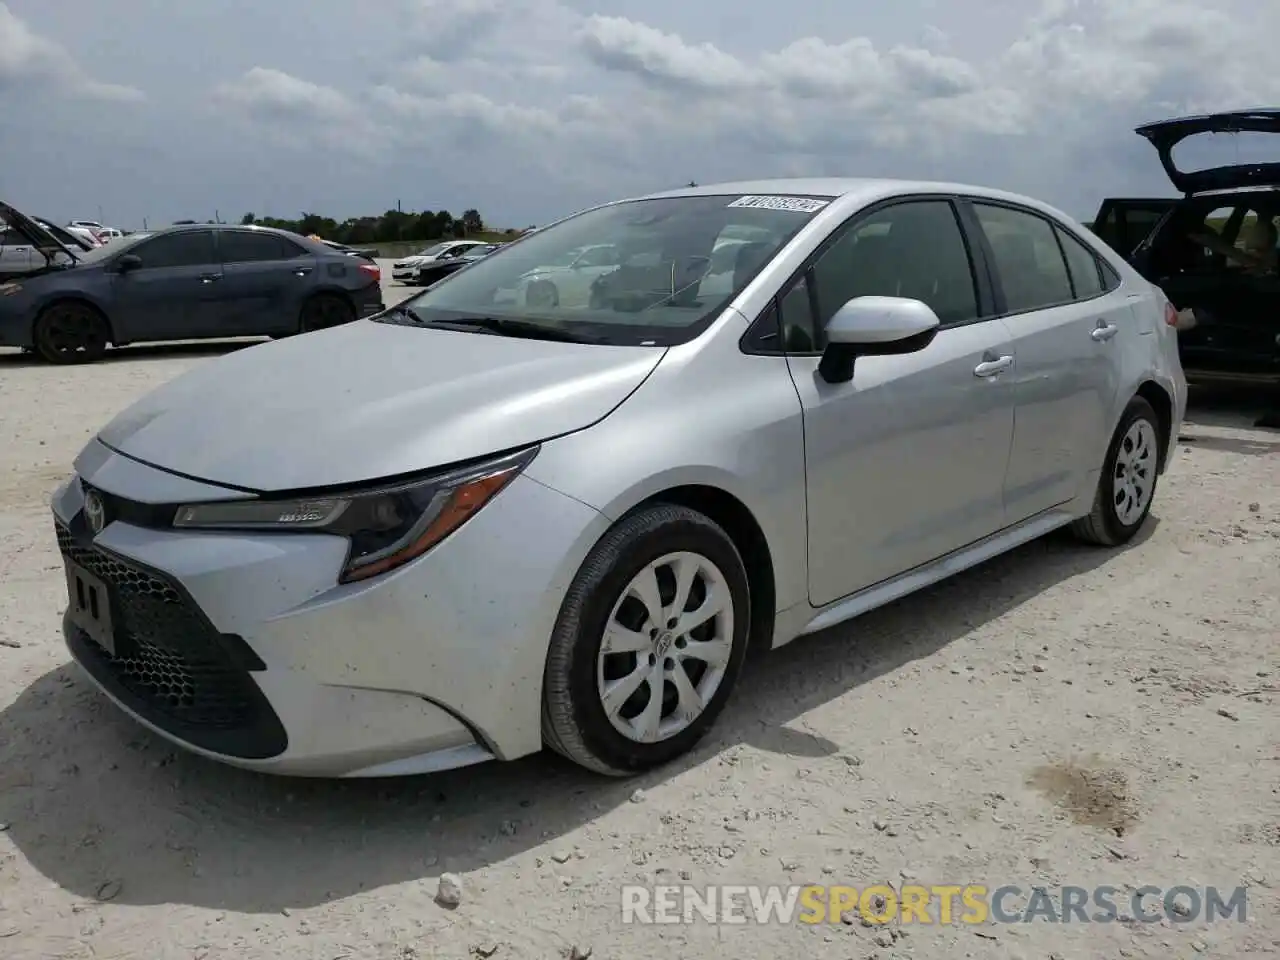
(171, 666)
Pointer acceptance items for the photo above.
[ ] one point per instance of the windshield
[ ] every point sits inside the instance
(431, 251)
(637, 272)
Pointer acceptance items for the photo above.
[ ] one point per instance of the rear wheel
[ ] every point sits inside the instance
(71, 333)
(1127, 485)
(650, 641)
(323, 311)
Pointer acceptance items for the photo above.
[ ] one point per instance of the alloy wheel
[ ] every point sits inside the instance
(666, 647)
(1134, 480)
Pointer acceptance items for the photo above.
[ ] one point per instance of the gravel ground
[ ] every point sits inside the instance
(1059, 716)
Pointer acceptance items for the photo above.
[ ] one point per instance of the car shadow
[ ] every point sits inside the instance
(1233, 406)
(147, 351)
(1245, 445)
(102, 807)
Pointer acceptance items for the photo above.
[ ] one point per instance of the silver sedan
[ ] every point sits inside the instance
(491, 520)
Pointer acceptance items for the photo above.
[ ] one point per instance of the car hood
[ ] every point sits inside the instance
(1167, 134)
(367, 401)
(39, 237)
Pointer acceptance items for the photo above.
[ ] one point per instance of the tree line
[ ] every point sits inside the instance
(390, 227)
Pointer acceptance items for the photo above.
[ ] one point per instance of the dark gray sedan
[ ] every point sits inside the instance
(196, 281)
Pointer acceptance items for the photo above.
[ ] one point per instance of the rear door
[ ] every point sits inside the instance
(265, 279)
(173, 294)
(1068, 328)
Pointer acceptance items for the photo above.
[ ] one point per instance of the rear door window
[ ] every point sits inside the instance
(244, 246)
(1031, 268)
(1124, 224)
(1086, 279)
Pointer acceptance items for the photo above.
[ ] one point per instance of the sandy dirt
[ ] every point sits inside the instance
(1059, 716)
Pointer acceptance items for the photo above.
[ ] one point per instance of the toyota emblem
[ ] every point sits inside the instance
(95, 511)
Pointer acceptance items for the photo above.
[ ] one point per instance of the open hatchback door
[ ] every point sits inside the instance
(1167, 134)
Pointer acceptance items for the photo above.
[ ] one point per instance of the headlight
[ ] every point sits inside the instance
(387, 526)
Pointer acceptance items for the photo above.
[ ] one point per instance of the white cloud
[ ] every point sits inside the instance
(274, 95)
(32, 64)
(532, 105)
(622, 102)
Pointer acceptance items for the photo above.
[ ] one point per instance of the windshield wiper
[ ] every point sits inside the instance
(517, 327)
(402, 315)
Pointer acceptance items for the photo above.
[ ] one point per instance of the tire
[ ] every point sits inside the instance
(323, 311)
(1127, 486)
(575, 720)
(541, 294)
(71, 332)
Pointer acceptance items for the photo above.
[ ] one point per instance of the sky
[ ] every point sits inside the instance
(528, 110)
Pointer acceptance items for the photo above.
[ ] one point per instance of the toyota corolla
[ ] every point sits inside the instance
(471, 527)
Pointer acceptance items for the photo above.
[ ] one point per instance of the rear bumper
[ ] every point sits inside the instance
(369, 300)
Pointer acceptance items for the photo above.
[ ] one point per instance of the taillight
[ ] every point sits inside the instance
(372, 269)
(1170, 314)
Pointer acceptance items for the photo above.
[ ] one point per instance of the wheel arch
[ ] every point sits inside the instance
(1162, 403)
(739, 523)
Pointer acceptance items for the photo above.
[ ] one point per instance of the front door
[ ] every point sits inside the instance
(906, 462)
(265, 279)
(1069, 335)
(173, 294)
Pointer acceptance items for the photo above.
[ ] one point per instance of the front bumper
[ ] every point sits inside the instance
(245, 649)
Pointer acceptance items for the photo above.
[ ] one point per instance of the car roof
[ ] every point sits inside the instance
(851, 193)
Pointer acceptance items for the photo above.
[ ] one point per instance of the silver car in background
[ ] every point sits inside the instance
(471, 526)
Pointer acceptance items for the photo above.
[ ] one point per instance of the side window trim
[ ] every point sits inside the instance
(979, 268)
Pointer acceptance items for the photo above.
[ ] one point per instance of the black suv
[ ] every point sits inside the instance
(1214, 251)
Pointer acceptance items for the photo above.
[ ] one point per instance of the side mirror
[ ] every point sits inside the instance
(874, 326)
(130, 261)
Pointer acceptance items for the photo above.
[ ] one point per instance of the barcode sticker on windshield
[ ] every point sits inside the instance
(794, 204)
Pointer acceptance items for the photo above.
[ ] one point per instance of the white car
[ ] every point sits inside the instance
(85, 234)
(406, 270)
(454, 532)
(566, 282)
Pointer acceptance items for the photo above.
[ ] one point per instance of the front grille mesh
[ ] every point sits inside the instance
(168, 656)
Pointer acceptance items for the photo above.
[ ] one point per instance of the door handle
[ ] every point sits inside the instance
(210, 277)
(1104, 331)
(302, 271)
(989, 368)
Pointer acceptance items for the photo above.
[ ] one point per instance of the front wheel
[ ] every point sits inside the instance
(1127, 485)
(649, 643)
(71, 333)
